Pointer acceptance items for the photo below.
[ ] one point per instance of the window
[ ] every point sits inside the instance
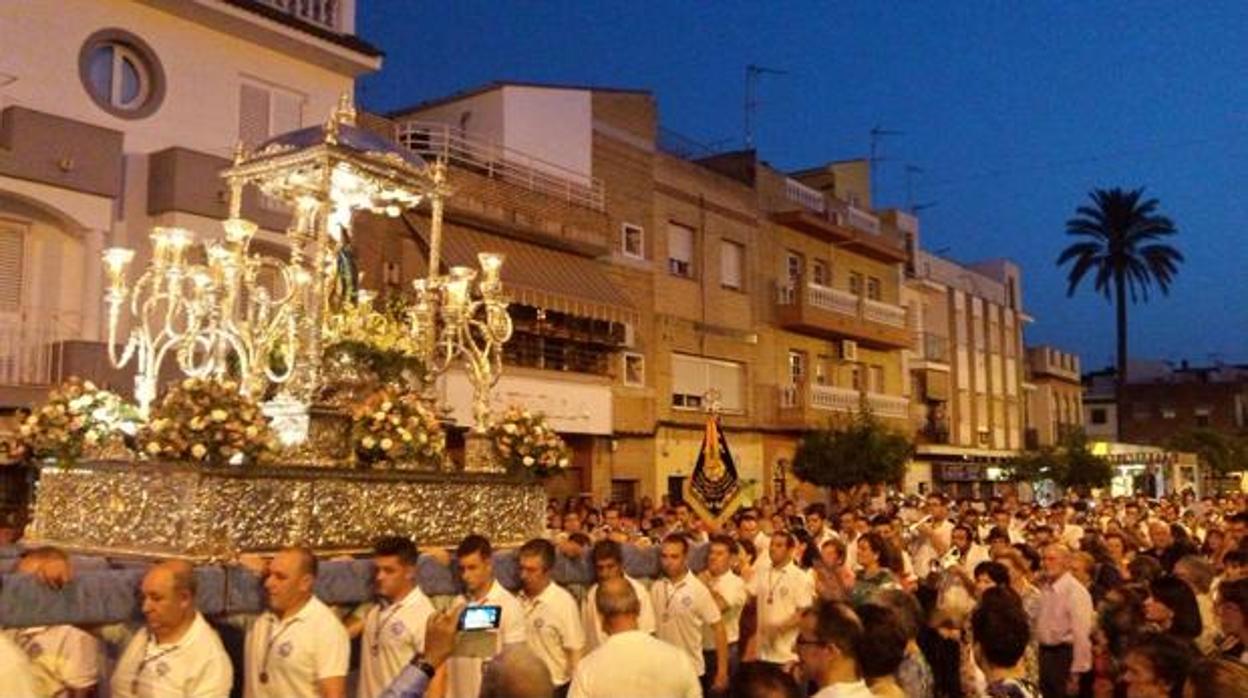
(821, 370)
(265, 111)
(121, 74)
(634, 369)
(793, 267)
(875, 379)
(693, 378)
(797, 367)
(1202, 416)
(1168, 413)
(12, 257)
(633, 241)
(855, 377)
(680, 250)
(731, 263)
(873, 288)
(855, 283)
(1098, 416)
(820, 274)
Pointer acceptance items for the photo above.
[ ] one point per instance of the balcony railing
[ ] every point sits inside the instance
(499, 162)
(885, 313)
(862, 220)
(888, 405)
(830, 397)
(837, 301)
(30, 346)
(807, 197)
(322, 13)
(837, 399)
(833, 299)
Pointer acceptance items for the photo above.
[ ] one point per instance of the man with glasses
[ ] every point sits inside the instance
(827, 645)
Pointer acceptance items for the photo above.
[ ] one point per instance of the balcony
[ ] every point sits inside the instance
(804, 405)
(494, 161)
(835, 314)
(39, 147)
(325, 14)
(888, 406)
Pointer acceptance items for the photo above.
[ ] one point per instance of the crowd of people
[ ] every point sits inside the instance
(874, 595)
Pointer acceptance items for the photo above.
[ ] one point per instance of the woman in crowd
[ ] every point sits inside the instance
(874, 557)
(1171, 608)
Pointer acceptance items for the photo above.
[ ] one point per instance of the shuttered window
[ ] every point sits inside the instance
(731, 258)
(694, 376)
(680, 250)
(12, 255)
(265, 111)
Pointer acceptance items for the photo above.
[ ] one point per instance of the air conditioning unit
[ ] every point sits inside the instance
(849, 350)
(630, 336)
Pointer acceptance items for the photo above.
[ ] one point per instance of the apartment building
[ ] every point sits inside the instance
(1055, 397)
(776, 296)
(966, 370)
(116, 116)
(1163, 399)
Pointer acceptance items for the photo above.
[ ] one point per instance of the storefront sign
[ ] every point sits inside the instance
(571, 407)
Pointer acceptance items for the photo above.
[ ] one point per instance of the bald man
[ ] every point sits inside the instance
(630, 662)
(298, 648)
(177, 653)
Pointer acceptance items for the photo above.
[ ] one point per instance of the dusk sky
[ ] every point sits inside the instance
(1013, 111)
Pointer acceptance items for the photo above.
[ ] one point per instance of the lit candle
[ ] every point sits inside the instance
(160, 246)
(179, 240)
(491, 266)
(457, 288)
(239, 231)
(115, 261)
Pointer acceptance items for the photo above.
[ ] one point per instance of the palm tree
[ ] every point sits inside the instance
(1121, 239)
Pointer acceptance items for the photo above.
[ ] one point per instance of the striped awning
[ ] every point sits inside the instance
(544, 277)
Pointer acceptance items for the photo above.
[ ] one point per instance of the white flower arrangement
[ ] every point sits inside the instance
(397, 428)
(524, 442)
(77, 419)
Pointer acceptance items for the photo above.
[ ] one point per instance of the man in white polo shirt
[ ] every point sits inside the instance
(177, 653)
(552, 619)
(730, 596)
(686, 610)
(630, 662)
(783, 591)
(19, 678)
(393, 632)
(64, 658)
(608, 560)
(298, 648)
(476, 569)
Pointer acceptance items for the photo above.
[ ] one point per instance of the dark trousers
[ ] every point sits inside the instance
(1055, 662)
(712, 665)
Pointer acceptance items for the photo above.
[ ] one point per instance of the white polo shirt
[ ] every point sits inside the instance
(61, 656)
(685, 609)
(19, 677)
(732, 589)
(552, 625)
(781, 592)
(592, 622)
(463, 674)
(633, 663)
(195, 665)
(286, 658)
(393, 634)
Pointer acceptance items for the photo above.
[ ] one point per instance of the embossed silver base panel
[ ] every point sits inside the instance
(205, 513)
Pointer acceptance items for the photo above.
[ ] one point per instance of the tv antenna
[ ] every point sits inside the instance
(878, 132)
(752, 74)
